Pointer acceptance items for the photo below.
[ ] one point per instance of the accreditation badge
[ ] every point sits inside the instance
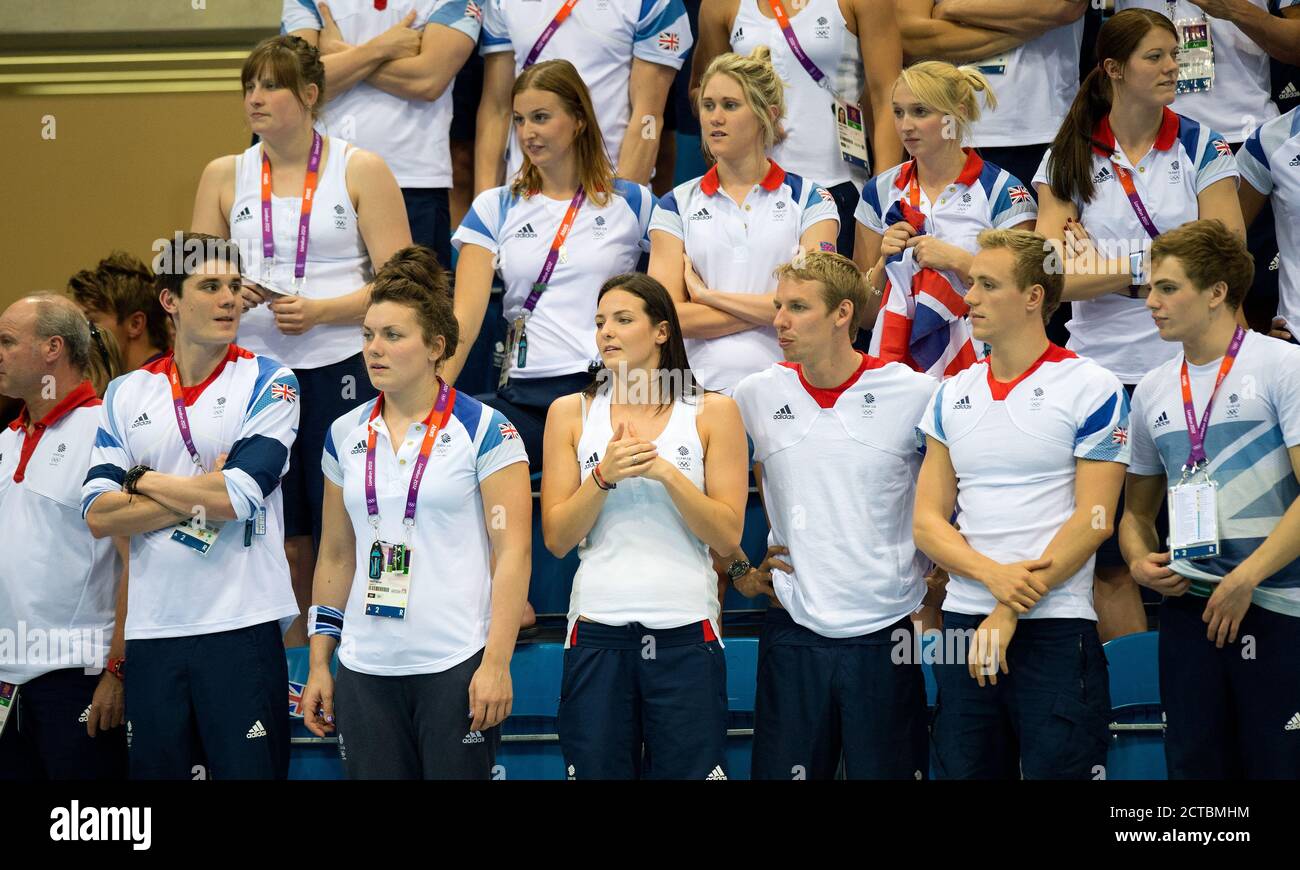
(852, 135)
(995, 65)
(8, 701)
(198, 537)
(1195, 56)
(388, 580)
(1194, 519)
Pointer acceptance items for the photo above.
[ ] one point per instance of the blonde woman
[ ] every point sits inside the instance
(716, 240)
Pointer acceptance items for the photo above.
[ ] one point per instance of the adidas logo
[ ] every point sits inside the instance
(85, 716)
(1101, 176)
(716, 773)
(740, 32)
(142, 420)
(702, 215)
(1295, 161)
(783, 413)
(1161, 421)
(256, 731)
(962, 404)
(1294, 724)
(359, 448)
(473, 737)
(1277, 262)
(592, 461)
(244, 214)
(1289, 92)
(526, 232)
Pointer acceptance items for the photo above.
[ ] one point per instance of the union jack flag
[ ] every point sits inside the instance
(284, 392)
(295, 699)
(922, 321)
(825, 194)
(1119, 436)
(668, 41)
(1224, 149)
(508, 431)
(473, 10)
(1019, 194)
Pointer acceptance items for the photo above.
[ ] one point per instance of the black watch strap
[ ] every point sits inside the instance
(133, 477)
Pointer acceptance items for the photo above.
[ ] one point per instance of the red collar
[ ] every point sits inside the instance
(83, 394)
(710, 183)
(1103, 137)
(162, 365)
(971, 171)
(1001, 390)
(826, 398)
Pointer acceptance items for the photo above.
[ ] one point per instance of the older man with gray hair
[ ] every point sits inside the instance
(61, 698)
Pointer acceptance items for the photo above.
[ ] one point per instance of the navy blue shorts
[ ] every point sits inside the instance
(45, 737)
(325, 394)
(820, 697)
(642, 703)
(1231, 713)
(223, 694)
(525, 402)
(1046, 719)
(428, 211)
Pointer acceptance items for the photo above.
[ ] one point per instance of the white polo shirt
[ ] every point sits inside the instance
(1254, 421)
(1014, 447)
(248, 409)
(982, 197)
(411, 135)
(604, 241)
(600, 38)
(57, 577)
(839, 482)
(1034, 83)
(736, 248)
(1270, 162)
(450, 601)
(1241, 96)
(1187, 158)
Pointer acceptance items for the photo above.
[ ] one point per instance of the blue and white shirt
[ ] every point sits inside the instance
(1015, 448)
(450, 602)
(604, 241)
(736, 248)
(1253, 423)
(248, 409)
(1270, 162)
(600, 38)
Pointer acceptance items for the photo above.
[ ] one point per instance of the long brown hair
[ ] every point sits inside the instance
(673, 371)
(561, 78)
(1070, 167)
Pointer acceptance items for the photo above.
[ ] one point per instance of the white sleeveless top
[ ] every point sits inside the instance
(640, 561)
(811, 147)
(337, 260)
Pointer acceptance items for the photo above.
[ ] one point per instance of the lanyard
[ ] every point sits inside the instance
(442, 409)
(914, 188)
(1195, 433)
(787, 30)
(549, 32)
(304, 221)
(553, 256)
(1140, 209)
(182, 419)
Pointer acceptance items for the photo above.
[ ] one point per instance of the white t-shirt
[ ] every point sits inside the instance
(57, 577)
(604, 241)
(1187, 158)
(839, 483)
(1240, 98)
(1034, 83)
(1015, 448)
(811, 147)
(1270, 161)
(600, 38)
(982, 197)
(338, 262)
(1254, 421)
(450, 602)
(247, 409)
(411, 135)
(736, 248)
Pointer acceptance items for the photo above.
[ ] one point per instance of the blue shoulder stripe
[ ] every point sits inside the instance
(630, 191)
(468, 410)
(796, 188)
(266, 369)
(1098, 420)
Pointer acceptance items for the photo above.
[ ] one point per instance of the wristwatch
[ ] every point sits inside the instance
(738, 569)
(117, 667)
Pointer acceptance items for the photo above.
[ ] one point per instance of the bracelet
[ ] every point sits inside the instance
(600, 479)
(871, 284)
(322, 619)
(133, 477)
